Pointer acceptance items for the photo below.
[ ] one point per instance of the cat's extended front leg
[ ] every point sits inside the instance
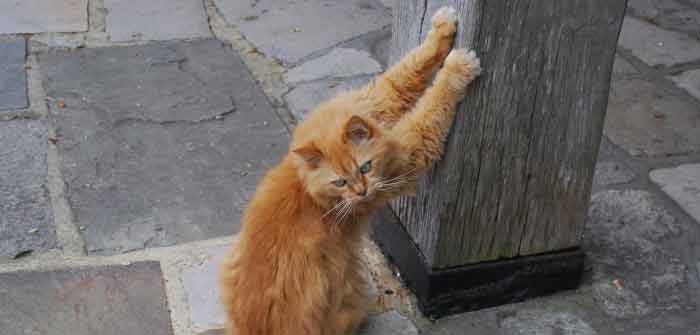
(424, 130)
(397, 90)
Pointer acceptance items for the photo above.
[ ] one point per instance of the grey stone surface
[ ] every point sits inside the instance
(26, 219)
(626, 236)
(611, 173)
(37, 16)
(681, 183)
(629, 221)
(338, 63)
(305, 97)
(389, 323)
(657, 46)
(647, 120)
(13, 77)
(557, 323)
(478, 322)
(376, 43)
(690, 81)
(162, 143)
(129, 20)
(291, 30)
(564, 313)
(106, 300)
(202, 290)
(619, 302)
(669, 14)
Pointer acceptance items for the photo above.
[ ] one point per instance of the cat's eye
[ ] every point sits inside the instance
(366, 167)
(339, 182)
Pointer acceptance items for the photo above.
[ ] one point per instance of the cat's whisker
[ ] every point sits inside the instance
(347, 210)
(335, 208)
(338, 210)
(341, 218)
(393, 183)
(401, 176)
(396, 182)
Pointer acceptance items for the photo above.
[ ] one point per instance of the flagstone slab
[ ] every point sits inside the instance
(39, 16)
(689, 81)
(292, 29)
(531, 322)
(26, 216)
(682, 183)
(130, 20)
(658, 46)
(611, 173)
(648, 120)
(388, 323)
(161, 143)
(307, 96)
(13, 76)
(338, 63)
(633, 235)
(201, 283)
(669, 14)
(107, 300)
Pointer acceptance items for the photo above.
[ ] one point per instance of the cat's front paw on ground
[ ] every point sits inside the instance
(445, 21)
(464, 66)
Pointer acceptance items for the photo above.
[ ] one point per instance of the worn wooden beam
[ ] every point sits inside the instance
(518, 167)
(500, 218)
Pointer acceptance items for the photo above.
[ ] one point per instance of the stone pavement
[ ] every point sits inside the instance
(134, 132)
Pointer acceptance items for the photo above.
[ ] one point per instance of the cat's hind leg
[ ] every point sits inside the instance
(424, 130)
(397, 90)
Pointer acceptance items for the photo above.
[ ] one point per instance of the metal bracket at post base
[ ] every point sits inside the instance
(443, 292)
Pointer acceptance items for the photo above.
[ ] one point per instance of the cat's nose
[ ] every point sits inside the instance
(362, 193)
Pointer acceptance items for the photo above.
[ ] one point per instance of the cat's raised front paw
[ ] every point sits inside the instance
(465, 64)
(445, 20)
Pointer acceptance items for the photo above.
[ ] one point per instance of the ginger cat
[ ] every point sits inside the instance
(297, 268)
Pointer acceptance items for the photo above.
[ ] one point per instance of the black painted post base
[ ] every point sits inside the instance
(443, 292)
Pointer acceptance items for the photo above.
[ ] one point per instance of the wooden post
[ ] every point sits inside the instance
(501, 217)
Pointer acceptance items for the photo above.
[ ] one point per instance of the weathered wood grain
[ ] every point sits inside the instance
(518, 168)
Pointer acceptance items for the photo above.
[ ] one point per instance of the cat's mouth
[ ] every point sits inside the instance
(364, 199)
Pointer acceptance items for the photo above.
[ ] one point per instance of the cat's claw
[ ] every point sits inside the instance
(464, 65)
(464, 61)
(445, 20)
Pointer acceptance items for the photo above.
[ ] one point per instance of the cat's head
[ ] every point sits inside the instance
(346, 163)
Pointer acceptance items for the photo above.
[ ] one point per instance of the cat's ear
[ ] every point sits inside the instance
(310, 154)
(357, 130)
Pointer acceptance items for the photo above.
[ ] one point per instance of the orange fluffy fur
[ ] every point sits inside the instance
(297, 268)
